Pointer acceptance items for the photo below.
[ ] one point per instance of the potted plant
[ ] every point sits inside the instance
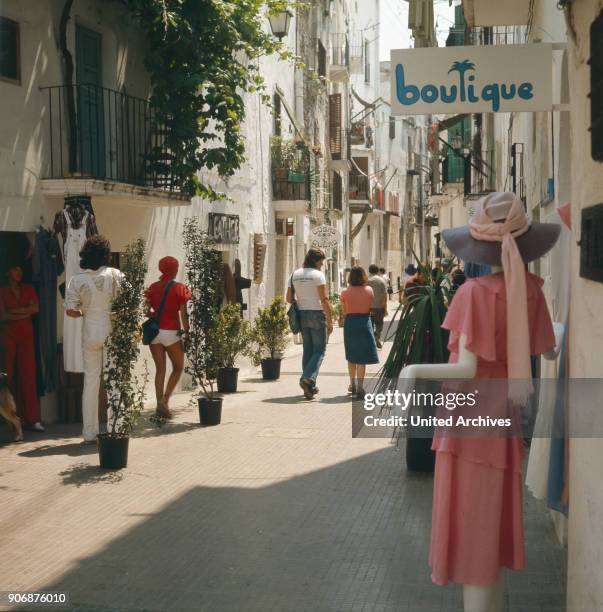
(336, 307)
(203, 266)
(269, 337)
(125, 391)
(232, 337)
(283, 154)
(420, 338)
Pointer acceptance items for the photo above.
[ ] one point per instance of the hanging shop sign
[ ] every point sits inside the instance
(325, 237)
(223, 229)
(487, 79)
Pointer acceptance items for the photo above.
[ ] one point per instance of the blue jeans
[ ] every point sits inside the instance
(314, 334)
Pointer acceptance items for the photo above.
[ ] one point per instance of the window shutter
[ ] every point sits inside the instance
(337, 202)
(392, 127)
(335, 125)
(596, 88)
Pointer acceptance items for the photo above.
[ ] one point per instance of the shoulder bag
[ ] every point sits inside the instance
(150, 328)
(293, 312)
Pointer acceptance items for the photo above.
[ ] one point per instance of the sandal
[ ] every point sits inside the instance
(163, 411)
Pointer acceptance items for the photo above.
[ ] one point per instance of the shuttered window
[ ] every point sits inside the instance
(392, 127)
(596, 88)
(337, 195)
(335, 139)
(10, 68)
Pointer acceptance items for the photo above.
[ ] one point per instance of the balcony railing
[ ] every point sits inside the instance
(290, 176)
(493, 35)
(359, 187)
(100, 133)
(340, 50)
(476, 169)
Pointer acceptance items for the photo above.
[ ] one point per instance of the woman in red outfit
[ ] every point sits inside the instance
(18, 302)
(173, 319)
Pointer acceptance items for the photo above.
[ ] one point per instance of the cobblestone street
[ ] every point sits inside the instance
(278, 508)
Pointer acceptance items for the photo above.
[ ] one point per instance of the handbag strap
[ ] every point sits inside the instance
(163, 299)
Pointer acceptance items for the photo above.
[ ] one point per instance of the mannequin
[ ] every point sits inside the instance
(484, 473)
(476, 598)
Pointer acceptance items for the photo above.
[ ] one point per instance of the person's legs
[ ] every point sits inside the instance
(319, 345)
(360, 372)
(176, 354)
(93, 366)
(26, 373)
(158, 354)
(377, 316)
(352, 373)
(308, 347)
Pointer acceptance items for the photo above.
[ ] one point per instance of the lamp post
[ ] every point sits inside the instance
(279, 23)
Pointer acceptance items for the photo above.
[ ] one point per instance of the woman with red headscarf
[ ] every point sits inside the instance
(173, 319)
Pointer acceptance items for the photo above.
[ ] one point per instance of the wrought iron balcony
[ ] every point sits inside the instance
(359, 188)
(99, 133)
(290, 171)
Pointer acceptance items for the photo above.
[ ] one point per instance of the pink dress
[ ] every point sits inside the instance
(477, 519)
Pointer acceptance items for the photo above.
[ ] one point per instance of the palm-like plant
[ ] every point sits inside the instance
(461, 68)
(419, 336)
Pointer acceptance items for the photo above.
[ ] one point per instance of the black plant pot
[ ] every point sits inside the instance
(419, 456)
(210, 410)
(271, 369)
(227, 380)
(113, 451)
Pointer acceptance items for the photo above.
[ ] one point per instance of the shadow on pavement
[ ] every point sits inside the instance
(82, 474)
(73, 449)
(354, 535)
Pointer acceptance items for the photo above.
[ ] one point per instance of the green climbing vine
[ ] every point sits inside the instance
(202, 57)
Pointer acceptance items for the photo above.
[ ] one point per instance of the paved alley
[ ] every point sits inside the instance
(278, 508)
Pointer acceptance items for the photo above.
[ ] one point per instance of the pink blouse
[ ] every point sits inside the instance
(357, 299)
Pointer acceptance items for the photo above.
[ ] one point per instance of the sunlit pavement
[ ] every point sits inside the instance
(278, 508)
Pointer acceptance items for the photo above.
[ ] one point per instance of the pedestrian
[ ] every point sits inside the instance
(173, 323)
(358, 337)
(409, 272)
(308, 287)
(414, 284)
(18, 303)
(384, 275)
(379, 305)
(90, 295)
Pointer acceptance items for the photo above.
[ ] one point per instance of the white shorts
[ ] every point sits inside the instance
(167, 337)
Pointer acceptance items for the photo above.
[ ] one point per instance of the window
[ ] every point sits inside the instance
(367, 62)
(335, 135)
(596, 88)
(392, 127)
(277, 114)
(322, 60)
(10, 61)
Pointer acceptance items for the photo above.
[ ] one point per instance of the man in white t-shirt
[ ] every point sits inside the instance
(308, 287)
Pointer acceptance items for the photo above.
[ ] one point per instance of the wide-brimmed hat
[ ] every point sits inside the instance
(532, 244)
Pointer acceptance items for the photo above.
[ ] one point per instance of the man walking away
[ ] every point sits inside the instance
(308, 287)
(379, 305)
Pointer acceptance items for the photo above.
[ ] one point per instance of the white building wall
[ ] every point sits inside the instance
(24, 147)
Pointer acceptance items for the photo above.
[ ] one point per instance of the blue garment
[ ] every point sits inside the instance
(557, 476)
(47, 267)
(359, 339)
(314, 334)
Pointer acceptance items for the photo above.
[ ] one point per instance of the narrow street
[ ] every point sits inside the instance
(278, 508)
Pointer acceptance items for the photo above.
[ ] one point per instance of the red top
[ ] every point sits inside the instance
(10, 300)
(357, 299)
(179, 294)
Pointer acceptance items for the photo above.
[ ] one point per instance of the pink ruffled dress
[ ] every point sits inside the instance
(477, 519)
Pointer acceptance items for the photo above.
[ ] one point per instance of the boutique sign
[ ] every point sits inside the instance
(472, 79)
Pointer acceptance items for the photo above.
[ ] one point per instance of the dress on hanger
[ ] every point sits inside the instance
(477, 520)
(73, 354)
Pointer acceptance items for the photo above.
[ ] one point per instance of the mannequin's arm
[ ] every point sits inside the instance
(553, 353)
(465, 367)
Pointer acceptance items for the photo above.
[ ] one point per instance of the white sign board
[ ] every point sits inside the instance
(325, 237)
(472, 79)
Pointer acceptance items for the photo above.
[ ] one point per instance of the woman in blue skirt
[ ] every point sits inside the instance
(358, 337)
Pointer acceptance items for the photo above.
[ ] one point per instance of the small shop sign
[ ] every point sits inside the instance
(325, 237)
(223, 229)
(487, 79)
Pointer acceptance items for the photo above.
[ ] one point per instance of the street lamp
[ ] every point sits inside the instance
(279, 23)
